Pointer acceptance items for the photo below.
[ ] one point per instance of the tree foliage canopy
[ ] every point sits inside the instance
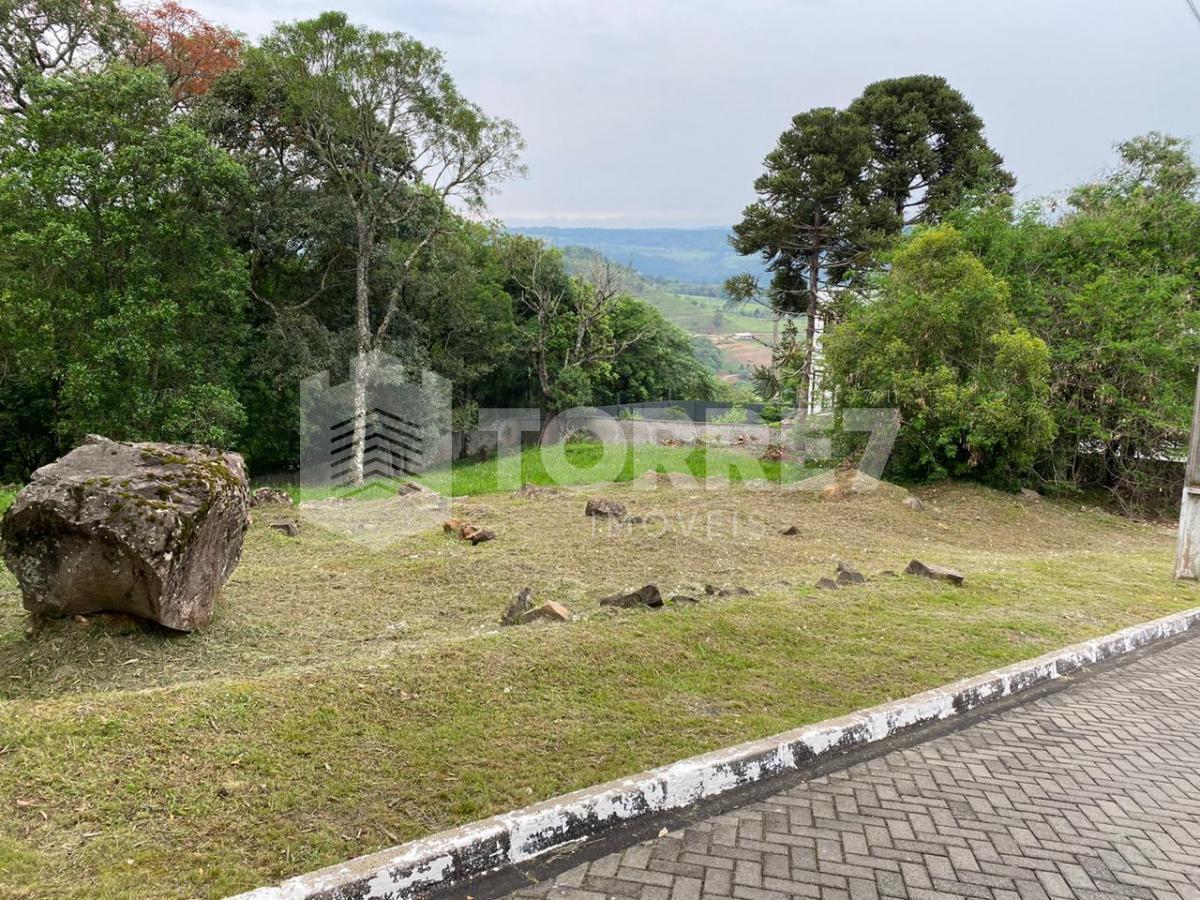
(122, 296)
(1110, 281)
(840, 185)
(191, 51)
(928, 154)
(939, 342)
(43, 37)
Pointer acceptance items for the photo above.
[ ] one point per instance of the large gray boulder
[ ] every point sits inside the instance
(148, 529)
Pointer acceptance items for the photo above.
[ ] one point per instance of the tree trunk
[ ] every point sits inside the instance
(362, 361)
(361, 377)
(543, 374)
(543, 366)
(804, 400)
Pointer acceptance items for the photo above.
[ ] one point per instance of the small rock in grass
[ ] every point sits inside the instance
(937, 573)
(773, 453)
(790, 530)
(827, 584)
(713, 591)
(518, 608)
(412, 487)
(684, 599)
(476, 535)
(1030, 496)
(547, 612)
(847, 574)
(645, 596)
(468, 532)
(914, 503)
(291, 529)
(888, 573)
(833, 491)
(269, 496)
(640, 520)
(532, 492)
(604, 508)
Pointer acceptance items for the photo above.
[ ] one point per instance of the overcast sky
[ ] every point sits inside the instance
(659, 112)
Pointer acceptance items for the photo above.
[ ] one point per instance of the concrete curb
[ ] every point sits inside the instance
(483, 847)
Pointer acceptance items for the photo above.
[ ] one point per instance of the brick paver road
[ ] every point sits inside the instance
(1089, 792)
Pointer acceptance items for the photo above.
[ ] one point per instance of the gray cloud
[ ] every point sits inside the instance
(659, 112)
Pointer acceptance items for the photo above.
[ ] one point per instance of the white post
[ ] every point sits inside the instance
(1187, 554)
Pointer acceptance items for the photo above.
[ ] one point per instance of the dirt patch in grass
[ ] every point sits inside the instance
(349, 696)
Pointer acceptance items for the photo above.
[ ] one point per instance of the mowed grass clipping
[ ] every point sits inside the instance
(345, 699)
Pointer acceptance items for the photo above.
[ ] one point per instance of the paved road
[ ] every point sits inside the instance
(1090, 792)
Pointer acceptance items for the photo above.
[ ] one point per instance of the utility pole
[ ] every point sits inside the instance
(1187, 554)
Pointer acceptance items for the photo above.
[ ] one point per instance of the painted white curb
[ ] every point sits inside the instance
(410, 869)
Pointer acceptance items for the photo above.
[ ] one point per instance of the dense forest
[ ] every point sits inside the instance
(190, 225)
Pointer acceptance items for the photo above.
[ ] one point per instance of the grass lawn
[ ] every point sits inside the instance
(582, 463)
(345, 699)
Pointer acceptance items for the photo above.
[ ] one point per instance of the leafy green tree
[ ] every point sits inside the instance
(44, 37)
(372, 121)
(461, 317)
(706, 353)
(938, 341)
(659, 364)
(928, 154)
(122, 297)
(1110, 283)
(565, 321)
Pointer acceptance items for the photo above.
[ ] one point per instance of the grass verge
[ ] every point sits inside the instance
(346, 699)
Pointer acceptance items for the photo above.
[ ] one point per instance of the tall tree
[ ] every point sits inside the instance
(811, 220)
(567, 321)
(928, 151)
(373, 119)
(42, 37)
(659, 363)
(841, 184)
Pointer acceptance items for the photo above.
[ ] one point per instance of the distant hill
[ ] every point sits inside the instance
(728, 341)
(695, 256)
(683, 303)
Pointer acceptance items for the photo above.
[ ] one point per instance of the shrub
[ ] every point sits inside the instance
(735, 415)
(938, 341)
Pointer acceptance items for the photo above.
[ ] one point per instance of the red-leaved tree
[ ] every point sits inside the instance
(192, 51)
